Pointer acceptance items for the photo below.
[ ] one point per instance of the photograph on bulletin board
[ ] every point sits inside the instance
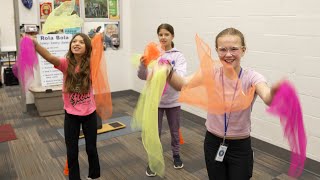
(91, 28)
(57, 3)
(96, 8)
(112, 35)
(72, 31)
(45, 10)
(114, 9)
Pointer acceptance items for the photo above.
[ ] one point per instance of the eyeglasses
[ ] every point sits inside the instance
(222, 51)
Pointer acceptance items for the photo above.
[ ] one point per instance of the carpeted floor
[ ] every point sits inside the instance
(111, 134)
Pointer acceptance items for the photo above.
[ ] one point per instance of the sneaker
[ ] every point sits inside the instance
(150, 173)
(89, 178)
(177, 163)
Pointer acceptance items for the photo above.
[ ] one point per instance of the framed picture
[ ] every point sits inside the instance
(72, 31)
(95, 9)
(112, 35)
(45, 10)
(114, 9)
(91, 28)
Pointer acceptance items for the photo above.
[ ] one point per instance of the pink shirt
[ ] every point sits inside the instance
(76, 103)
(240, 121)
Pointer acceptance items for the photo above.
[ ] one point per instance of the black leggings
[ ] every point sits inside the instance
(238, 160)
(72, 131)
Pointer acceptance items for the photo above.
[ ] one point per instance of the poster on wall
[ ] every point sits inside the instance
(45, 10)
(91, 28)
(113, 9)
(76, 6)
(112, 35)
(72, 31)
(96, 8)
(57, 45)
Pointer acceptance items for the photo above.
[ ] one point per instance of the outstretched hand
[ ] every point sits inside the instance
(164, 63)
(142, 60)
(275, 87)
(156, 66)
(33, 38)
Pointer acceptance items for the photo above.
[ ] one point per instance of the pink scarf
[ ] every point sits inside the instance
(27, 60)
(286, 105)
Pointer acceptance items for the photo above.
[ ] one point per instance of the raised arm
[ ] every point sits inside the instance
(177, 82)
(265, 92)
(142, 70)
(46, 54)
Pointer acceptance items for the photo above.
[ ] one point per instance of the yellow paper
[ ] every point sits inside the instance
(61, 18)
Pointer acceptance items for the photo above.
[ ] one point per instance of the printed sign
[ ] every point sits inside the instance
(57, 45)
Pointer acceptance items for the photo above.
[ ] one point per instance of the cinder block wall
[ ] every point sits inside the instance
(282, 39)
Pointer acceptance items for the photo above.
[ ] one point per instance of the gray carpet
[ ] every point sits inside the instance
(111, 134)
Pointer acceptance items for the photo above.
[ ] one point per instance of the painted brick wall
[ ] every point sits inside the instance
(282, 38)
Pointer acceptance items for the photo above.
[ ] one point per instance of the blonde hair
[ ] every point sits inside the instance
(233, 32)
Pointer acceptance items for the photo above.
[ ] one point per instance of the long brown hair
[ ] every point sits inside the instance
(79, 81)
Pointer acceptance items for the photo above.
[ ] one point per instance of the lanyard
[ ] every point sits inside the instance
(226, 120)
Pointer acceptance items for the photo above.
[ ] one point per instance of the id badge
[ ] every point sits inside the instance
(221, 152)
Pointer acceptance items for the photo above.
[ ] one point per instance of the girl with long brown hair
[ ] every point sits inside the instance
(79, 102)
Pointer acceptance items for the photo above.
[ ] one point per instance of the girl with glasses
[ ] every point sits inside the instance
(227, 144)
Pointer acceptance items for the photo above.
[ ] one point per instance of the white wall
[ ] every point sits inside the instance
(119, 67)
(282, 38)
(7, 27)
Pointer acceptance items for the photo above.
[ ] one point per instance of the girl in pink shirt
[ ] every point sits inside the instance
(79, 104)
